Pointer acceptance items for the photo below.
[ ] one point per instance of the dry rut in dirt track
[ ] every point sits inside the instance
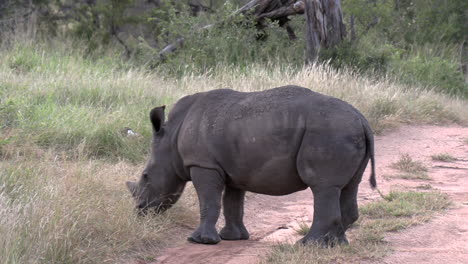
(442, 240)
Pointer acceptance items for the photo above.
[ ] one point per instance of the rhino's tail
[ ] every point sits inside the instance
(370, 149)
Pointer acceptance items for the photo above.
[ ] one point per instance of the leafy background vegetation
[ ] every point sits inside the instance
(417, 42)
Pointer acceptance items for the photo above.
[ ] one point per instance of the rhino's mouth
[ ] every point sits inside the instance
(158, 207)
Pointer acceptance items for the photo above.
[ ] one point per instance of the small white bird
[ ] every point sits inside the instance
(128, 132)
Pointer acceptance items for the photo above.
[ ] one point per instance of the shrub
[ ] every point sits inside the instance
(435, 72)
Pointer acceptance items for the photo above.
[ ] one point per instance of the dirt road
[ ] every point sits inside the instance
(443, 240)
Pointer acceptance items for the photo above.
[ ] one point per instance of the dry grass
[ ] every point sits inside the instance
(409, 176)
(293, 254)
(407, 164)
(56, 211)
(397, 211)
(411, 169)
(424, 187)
(444, 157)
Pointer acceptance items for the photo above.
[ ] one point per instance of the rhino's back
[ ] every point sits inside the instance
(255, 137)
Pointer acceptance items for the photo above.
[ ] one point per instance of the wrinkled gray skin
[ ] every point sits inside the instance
(274, 142)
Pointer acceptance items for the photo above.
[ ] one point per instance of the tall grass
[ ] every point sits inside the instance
(75, 212)
(64, 160)
(58, 98)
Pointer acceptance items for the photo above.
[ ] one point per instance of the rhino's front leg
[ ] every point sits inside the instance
(233, 206)
(209, 186)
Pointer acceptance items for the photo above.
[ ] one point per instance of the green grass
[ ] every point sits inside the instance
(397, 211)
(431, 65)
(67, 102)
(443, 157)
(302, 228)
(62, 99)
(406, 204)
(64, 160)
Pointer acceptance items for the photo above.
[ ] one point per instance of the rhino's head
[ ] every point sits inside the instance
(158, 187)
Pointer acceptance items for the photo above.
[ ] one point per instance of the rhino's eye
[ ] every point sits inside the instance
(145, 176)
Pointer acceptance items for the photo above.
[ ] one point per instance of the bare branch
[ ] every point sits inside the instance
(114, 32)
(171, 48)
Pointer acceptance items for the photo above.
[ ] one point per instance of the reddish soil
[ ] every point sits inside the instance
(444, 239)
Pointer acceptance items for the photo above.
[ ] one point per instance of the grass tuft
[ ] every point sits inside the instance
(424, 187)
(443, 157)
(302, 228)
(413, 169)
(410, 176)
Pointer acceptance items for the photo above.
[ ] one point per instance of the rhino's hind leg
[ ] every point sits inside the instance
(348, 198)
(327, 228)
(209, 186)
(233, 206)
(349, 207)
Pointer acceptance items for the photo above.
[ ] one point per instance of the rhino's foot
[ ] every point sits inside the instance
(234, 233)
(324, 241)
(204, 237)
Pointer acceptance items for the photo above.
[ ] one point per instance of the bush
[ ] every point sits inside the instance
(434, 72)
(358, 57)
(432, 66)
(232, 41)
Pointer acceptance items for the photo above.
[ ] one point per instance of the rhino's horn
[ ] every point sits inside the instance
(132, 187)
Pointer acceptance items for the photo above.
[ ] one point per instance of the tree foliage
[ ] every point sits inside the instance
(417, 41)
(411, 21)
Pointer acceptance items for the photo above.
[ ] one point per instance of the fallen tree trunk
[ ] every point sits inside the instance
(171, 48)
(294, 9)
(272, 8)
(258, 10)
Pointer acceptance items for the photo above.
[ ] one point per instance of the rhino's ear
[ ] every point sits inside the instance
(157, 117)
(132, 187)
